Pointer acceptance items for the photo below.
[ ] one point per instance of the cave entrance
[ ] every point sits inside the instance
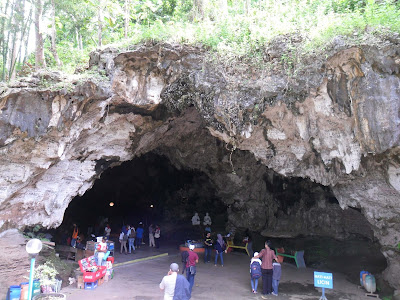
(147, 189)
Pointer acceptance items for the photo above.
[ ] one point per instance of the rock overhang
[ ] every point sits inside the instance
(342, 132)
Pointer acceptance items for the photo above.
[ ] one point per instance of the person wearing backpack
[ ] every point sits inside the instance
(255, 272)
(191, 262)
(131, 238)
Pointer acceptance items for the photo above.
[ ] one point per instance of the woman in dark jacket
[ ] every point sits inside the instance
(219, 248)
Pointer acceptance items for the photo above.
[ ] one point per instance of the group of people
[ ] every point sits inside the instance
(134, 238)
(219, 246)
(175, 286)
(264, 264)
(268, 268)
(131, 236)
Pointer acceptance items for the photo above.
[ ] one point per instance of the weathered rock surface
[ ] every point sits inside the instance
(14, 260)
(277, 148)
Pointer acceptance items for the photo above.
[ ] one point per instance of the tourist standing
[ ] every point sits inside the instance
(208, 243)
(191, 262)
(139, 235)
(175, 286)
(131, 238)
(255, 272)
(107, 231)
(123, 239)
(151, 236)
(219, 249)
(157, 236)
(267, 255)
(74, 236)
(101, 251)
(276, 277)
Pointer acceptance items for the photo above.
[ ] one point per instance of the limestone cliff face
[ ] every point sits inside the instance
(329, 131)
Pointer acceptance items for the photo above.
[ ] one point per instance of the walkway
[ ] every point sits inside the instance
(140, 280)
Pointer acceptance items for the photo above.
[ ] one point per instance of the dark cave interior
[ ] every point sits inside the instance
(146, 189)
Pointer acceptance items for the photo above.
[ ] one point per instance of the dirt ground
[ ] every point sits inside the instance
(140, 280)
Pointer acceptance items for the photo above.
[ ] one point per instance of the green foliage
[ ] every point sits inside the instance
(35, 234)
(46, 273)
(237, 32)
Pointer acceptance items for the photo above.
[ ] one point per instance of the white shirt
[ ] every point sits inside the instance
(168, 285)
(107, 231)
(121, 236)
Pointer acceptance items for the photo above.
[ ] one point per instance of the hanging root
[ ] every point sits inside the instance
(230, 157)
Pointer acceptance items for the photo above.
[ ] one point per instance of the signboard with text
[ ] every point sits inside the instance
(323, 280)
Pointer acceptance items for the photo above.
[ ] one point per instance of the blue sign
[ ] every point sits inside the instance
(323, 280)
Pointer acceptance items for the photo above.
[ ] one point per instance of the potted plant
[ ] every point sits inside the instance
(46, 274)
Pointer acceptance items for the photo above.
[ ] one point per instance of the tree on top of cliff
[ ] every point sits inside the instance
(237, 29)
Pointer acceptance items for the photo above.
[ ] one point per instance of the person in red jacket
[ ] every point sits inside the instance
(191, 262)
(267, 255)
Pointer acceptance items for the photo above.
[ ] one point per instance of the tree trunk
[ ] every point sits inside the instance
(100, 25)
(199, 9)
(53, 34)
(25, 37)
(39, 52)
(18, 28)
(247, 7)
(4, 40)
(223, 7)
(126, 18)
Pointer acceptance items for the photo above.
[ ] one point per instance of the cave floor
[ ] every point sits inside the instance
(140, 280)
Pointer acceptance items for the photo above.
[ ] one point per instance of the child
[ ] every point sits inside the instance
(276, 277)
(255, 272)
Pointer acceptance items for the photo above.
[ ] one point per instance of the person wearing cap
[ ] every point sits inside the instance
(191, 262)
(175, 286)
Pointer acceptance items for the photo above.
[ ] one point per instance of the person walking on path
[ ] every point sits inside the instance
(131, 238)
(123, 238)
(175, 286)
(255, 272)
(276, 277)
(151, 236)
(191, 262)
(139, 235)
(219, 248)
(157, 236)
(267, 255)
(208, 243)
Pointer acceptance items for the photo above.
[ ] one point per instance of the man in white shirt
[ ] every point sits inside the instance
(168, 282)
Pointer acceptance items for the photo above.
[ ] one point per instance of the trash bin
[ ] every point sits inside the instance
(14, 292)
(36, 288)
(24, 290)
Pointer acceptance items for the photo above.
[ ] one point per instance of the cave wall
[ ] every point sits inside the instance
(335, 123)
